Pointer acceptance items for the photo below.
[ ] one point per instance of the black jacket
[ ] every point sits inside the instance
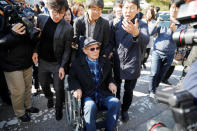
(63, 38)
(101, 32)
(15, 52)
(128, 51)
(80, 77)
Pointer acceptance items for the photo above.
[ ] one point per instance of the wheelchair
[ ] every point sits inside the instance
(74, 114)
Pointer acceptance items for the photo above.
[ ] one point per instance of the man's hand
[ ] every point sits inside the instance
(173, 27)
(131, 28)
(113, 88)
(110, 55)
(19, 29)
(77, 94)
(35, 58)
(61, 73)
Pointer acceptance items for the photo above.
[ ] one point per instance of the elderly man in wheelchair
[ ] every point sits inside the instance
(90, 79)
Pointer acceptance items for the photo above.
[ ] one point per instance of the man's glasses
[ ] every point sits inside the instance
(93, 49)
(54, 12)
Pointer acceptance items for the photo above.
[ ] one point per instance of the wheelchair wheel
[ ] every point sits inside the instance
(79, 124)
(68, 108)
(73, 112)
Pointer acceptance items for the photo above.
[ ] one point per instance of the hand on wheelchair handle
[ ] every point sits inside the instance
(112, 88)
(77, 94)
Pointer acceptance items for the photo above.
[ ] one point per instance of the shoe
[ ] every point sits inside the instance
(58, 114)
(32, 110)
(38, 92)
(125, 116)
(166, 82)
(25, 118)
(144, 65)
(152, 95)
(50, 104)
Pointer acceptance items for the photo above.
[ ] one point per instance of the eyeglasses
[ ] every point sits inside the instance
(54, 12)
(93, 49)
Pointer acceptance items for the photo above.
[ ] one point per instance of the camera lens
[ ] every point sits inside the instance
(185, 37)
(153, 125)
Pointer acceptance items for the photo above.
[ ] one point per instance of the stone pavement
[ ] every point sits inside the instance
(142, 110)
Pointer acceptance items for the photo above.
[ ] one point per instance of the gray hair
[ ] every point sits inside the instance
(90, 3)
(136, 2)
(57, 4)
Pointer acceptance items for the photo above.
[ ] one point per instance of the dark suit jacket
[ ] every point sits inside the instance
(80, 77)
(101, 31)
(63, 38)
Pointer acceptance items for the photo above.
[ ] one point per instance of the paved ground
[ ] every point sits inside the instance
(142, 110)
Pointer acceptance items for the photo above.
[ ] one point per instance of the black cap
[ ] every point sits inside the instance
(90, 41)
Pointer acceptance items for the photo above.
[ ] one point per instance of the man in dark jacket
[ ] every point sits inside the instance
(4, 93)
(91, 78)
(92, 25)
(129, 38)
(54, 52)
(16, 50)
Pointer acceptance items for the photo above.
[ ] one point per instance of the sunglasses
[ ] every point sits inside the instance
(93, 49)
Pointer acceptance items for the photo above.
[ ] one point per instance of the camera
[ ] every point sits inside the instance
(187, 15)
(183, 109)
(13, 14)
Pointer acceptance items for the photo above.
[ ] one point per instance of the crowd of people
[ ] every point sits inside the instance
(96, 54)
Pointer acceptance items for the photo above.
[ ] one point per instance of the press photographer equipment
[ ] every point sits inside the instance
(187, 15)
(183, 109)
(14, 14)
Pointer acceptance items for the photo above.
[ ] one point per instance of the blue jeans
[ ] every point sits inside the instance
(159, 66)
(112, 105)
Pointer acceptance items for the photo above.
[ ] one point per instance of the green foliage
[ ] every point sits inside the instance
(79, 1)
(105, 9)
(84, 0)
(163, 4)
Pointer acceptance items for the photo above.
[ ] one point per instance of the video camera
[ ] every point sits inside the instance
(13, 14)
(187, 15)
(183, 109)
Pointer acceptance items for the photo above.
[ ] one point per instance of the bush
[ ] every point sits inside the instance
(163, 4)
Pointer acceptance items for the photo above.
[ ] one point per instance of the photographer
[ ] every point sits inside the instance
(15, 51)
(185, 38)
(163, 50)
(183, 102)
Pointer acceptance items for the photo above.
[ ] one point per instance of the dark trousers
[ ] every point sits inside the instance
(128, 92)
(35, 77)
(45, 70)
(146, 55)
(4, 93)
(169, 73)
